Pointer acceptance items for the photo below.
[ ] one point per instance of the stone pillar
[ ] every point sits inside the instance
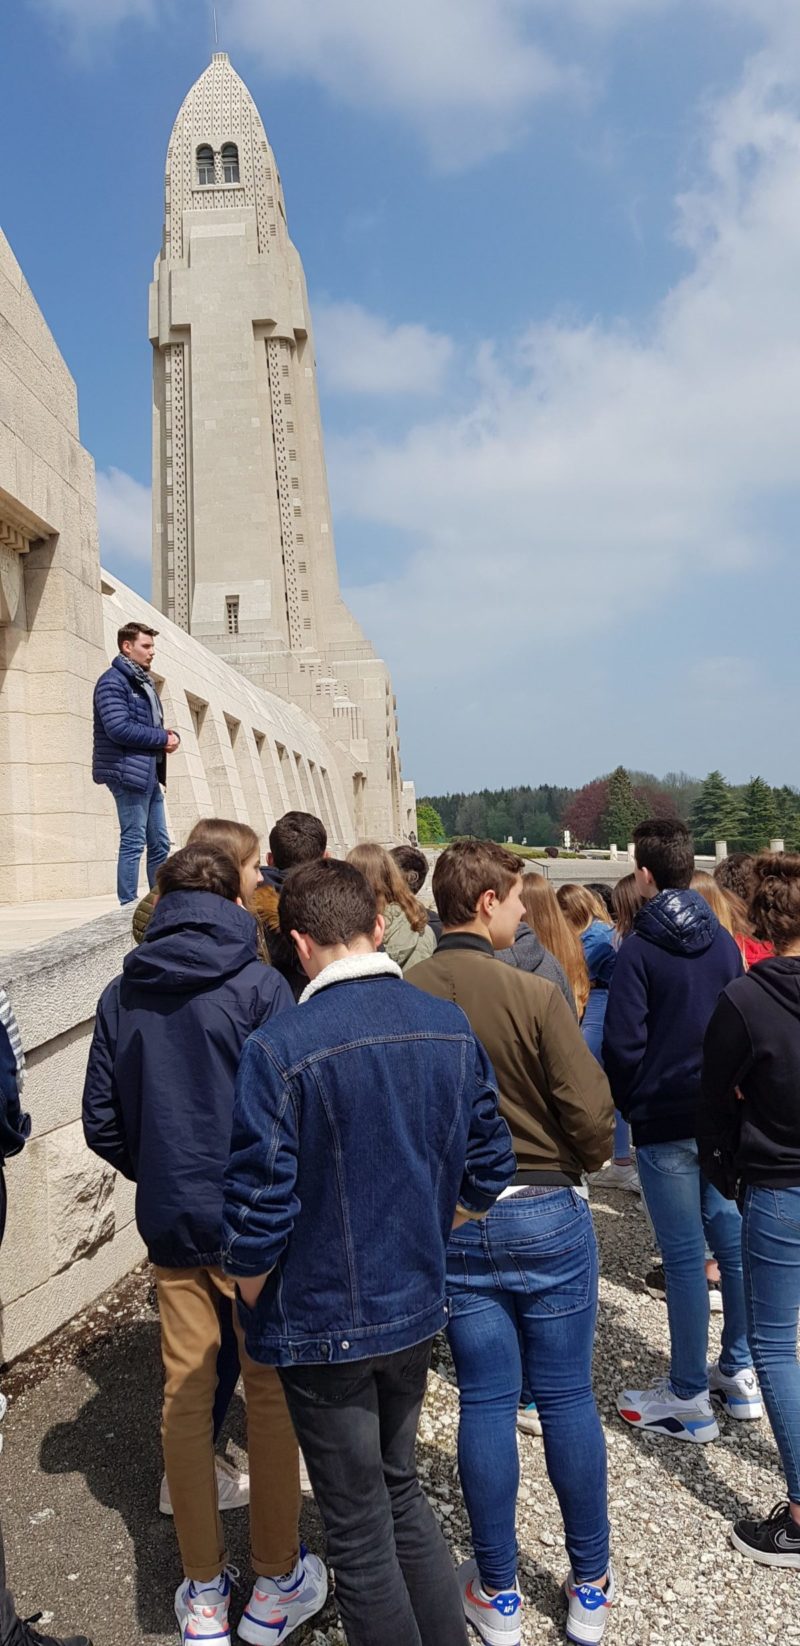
(720, 850)
(631, 851)
(777, 846)
(614, 854)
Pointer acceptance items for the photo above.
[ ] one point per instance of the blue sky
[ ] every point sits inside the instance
(553, 252)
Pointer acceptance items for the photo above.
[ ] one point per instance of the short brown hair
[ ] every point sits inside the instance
(413, 865)
(131, 631)
(297, 837)
(199, 869)
(328, 900)
(775, 904)
(465, 871)
(665, 847)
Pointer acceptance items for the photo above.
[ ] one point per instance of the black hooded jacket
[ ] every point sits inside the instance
(158, 1098)
(753, 1043)
(669, 974)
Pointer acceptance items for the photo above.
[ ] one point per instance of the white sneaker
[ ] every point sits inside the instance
(233, 1489)
(278, 1605)
(202, 1609)
(528, 1419)
(615, 1176)
(660, 1412)
(737, 1395)
(495, 1618)
(588, 1609)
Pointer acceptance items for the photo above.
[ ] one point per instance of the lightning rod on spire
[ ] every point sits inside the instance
(216, 30)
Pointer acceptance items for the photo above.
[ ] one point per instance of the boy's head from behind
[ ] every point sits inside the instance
(199, 869)
(413, 866)
(664, 856)
(298, 837)
(476, 883)
(329, 911)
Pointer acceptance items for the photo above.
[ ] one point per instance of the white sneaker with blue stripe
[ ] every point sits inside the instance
(737, 1394)
(496, 1618)
(202, 1609)
(589, 1609)
(278, 1605)
(659, 1411)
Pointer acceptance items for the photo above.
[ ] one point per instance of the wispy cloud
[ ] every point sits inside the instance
(362, 353)
(124, 519)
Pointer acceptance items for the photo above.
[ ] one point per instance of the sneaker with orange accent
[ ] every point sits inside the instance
(278, 1605)
(496, 1618)
(202, 1609)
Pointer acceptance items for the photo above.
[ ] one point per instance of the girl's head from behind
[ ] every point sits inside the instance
(728, 908)
(545, 917)
(625, 904)
(580, 906)
(775, 903)
(387, 882)
(238, 842)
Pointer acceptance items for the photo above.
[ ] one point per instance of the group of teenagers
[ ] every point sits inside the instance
(354, 1123)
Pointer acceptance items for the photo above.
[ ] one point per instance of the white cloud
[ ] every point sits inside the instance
(361, 353)
(124, 519)
(596, 468)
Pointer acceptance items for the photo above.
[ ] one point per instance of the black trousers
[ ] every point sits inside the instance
(357, 1429)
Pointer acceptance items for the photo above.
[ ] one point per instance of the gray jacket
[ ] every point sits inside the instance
(529, 955)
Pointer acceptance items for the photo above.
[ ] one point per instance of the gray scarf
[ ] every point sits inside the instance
(143, 677)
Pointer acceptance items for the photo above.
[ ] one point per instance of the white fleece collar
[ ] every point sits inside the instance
(347, 971)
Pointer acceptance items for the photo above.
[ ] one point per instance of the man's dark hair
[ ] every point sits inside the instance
(199, 869)
(665, 847)
(297, 837)
(328, 900)
(413, 866)
(605, 893)
(131, 631)
(465, 871)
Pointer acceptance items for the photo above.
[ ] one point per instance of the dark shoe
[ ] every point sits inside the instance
(771, 1542)
(27, 1636)
(655, 1284)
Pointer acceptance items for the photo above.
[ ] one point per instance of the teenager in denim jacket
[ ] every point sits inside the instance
(365, 1125)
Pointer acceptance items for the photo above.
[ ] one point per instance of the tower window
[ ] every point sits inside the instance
(232, 614)
(205, 165)
(230, 162)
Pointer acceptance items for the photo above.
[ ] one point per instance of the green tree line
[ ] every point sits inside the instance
(605, 811)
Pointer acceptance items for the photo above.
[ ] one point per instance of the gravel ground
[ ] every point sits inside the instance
(81, 1465)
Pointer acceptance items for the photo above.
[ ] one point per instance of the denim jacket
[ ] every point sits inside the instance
(360, 1122)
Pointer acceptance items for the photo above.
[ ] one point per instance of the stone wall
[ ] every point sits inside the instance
(70, 1232)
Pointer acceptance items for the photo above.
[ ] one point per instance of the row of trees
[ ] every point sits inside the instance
(605, 811)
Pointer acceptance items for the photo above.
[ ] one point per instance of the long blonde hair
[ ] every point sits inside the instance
(580, 906)
(547, 921)
(388, 884)
(728, 908)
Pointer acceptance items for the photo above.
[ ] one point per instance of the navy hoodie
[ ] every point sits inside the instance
(753, 1043)
(669, 974)
(158, 1098)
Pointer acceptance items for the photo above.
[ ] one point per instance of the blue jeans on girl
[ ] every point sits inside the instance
(686, 1212)
(771, 1255)
(522, 1289)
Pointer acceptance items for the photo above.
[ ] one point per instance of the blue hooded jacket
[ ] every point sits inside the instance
(158, 1098)
(668, 977)
(126, 743)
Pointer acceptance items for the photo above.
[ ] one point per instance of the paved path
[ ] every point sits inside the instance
(81, 1464)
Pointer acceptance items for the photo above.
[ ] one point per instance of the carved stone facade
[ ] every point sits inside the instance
(243, 549)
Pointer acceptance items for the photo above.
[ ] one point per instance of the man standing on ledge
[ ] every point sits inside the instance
(131, 743)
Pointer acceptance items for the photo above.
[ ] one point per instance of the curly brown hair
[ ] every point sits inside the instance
(735, 874)
(775, 902)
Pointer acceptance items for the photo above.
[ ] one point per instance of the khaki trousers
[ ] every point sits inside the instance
(190, 1336)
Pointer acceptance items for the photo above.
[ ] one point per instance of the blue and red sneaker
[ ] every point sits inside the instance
(278, 1605)
(589, 1608)
(496, 1618)
(661, 1412)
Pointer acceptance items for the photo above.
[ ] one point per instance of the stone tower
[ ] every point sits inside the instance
(243, 549)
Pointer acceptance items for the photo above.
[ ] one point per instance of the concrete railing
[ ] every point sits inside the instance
(70, 1232)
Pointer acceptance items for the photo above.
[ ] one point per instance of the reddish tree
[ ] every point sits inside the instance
(655, 802)
(584, 815)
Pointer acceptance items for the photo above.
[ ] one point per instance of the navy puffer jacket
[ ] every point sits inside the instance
(126, 743)
(158, 1098)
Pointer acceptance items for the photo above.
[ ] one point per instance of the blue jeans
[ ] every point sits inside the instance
(142, 822)
(686, 1213)
(771, 1255)
(522, 1287)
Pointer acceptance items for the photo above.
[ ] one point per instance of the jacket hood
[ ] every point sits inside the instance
(534, 949)
(193, 939)
(679, 921)
(270, 876)
(780, 978)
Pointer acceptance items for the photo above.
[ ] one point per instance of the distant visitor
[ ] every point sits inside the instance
(131, 744)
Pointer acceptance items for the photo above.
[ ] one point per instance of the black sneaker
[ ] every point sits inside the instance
(771, 1542)
(655, 1284)
(26, 1636)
